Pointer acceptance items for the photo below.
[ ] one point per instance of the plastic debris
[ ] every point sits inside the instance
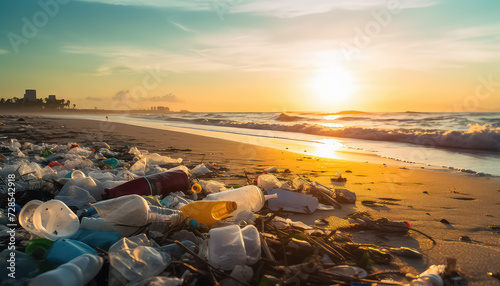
(84, 207)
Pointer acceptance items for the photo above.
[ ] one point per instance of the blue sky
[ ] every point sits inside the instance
(223, 55)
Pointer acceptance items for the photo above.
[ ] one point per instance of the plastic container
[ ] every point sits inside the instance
(292, 201)
(248, 198)
(135, 259)
(251, 237)
(230, 246)
(207, 213)
(268, 181)
(75, 196)
(86, 183)
(76, 272)
(226, 248)
(158, 184)
(77, 174)
(54, 220)
(26, 215)
(430, 277)
(64, 250)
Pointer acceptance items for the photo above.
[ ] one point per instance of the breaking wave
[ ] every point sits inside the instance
(478, 137)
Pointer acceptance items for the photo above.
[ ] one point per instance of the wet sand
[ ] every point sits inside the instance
(404, 191)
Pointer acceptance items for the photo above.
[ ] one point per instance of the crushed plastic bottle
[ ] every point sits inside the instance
(431, 277)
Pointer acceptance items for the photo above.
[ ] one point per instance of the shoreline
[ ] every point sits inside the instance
(315, 147)
(420, 196)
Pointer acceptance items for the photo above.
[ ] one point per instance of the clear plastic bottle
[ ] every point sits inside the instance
(159, 218)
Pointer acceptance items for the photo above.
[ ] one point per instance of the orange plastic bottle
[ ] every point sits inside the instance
(207, 213)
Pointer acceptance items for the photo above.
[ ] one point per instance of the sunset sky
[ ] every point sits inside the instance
(255, 55)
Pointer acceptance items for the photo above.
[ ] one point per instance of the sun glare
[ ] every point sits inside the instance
(333, 84)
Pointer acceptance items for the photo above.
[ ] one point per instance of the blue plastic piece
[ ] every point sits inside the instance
(64, 250)
(23, 266)
(97, 238)
(175, 251)
(112, 162)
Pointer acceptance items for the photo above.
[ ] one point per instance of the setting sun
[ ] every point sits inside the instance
(333, 84)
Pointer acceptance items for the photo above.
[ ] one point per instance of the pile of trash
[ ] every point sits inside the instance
(74, 215)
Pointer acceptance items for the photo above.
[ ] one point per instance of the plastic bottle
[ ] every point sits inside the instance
(208, 212)
(125, 215)
(158, 184)
(77, 272)
(54, 220)
(430, 277)
(249, 198)
(159, 218)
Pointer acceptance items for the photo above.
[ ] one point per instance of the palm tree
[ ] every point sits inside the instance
(67, 103)
(74, 106)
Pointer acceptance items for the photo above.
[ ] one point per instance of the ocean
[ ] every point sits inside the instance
(469, 142)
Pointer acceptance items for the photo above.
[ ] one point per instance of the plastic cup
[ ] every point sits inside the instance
(26, 215)
(77, 174)
(54, 220)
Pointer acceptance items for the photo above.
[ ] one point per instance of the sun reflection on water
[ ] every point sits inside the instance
(327, 148)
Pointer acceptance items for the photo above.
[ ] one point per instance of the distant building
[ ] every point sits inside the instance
(52, 97)
(30, 95)
(162, 108)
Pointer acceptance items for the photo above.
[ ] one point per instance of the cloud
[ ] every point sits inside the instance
(182, 27)
(93, 98)
(122, 95)
(140, 59)
(277, 8)
(166, 98)
(296, 8)
(3, 52)
(447, 49)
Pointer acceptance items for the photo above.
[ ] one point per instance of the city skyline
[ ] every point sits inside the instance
(285, 55)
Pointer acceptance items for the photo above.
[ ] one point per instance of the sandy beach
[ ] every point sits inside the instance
(405, 192)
